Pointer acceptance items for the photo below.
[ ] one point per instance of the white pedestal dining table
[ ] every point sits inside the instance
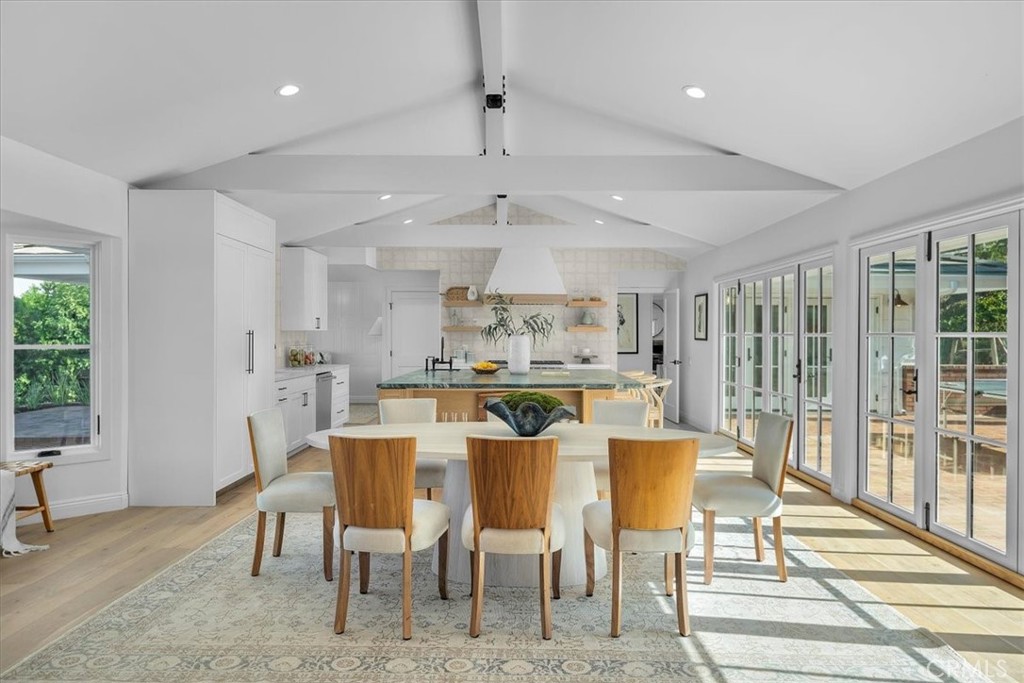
(579, 447)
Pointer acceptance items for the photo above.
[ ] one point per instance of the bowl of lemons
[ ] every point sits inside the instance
(484, 368)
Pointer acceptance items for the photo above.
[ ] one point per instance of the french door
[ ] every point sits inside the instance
(940, 370)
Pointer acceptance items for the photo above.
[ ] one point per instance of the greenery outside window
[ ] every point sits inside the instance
(53, 347)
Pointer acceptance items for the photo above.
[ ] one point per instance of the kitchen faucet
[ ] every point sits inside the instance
(431, 362)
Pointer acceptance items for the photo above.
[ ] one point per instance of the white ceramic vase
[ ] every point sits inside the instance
(472, 294)
(518, 354)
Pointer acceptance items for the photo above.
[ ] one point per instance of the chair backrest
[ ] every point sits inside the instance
(269, 446)
(771, 449)
(651, 482)
(407, 410)
(373, 480)
(627, 413)
(511, 481)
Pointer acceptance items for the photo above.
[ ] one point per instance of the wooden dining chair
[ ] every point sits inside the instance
(373, 480)
(654, 392)
(649, 512)
(632, 413)
(281, 492)
(511, 484)
(756, 495)
(429, 473)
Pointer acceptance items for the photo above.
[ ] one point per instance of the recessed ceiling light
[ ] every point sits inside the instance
(384, 196)
(616, 197)
(287, 90)
(695, 91)
(599, 221)
(407, 221)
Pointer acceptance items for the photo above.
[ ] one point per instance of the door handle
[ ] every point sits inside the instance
(250, 351)
(677, 362)
(318, 323)
(799, 370)
(305, 398)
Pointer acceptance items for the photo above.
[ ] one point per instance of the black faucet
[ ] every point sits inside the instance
(431, 362)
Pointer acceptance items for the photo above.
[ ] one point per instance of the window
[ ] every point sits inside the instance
(53, 359)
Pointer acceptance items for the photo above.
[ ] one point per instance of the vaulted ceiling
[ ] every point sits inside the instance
(805, 100)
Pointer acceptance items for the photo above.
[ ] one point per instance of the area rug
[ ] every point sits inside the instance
(206, 619)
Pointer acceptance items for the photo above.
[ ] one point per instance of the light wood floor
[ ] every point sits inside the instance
(93, 560)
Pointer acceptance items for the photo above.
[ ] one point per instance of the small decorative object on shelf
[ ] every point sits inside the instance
(529, 413)
(471, 293)
(484, 368)
(456, 294)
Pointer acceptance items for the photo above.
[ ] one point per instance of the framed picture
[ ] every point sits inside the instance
(700, 317)
(628, 342)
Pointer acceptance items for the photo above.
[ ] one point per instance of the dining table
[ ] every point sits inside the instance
(579, 447)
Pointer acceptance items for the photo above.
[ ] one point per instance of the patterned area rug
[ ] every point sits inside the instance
(206, 619)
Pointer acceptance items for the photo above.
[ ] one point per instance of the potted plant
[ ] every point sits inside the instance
(533, 326)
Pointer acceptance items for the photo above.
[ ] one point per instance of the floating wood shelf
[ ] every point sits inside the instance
(586, 328)
(587, 304)
(530, 299)
(462, 328)
(462, 304)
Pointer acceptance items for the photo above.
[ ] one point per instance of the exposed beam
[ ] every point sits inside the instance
(358, 174)
(489, 15)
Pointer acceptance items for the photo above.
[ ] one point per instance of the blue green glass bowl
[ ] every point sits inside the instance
(529, 419)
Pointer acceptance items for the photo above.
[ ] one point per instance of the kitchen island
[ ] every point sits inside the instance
(463, 392)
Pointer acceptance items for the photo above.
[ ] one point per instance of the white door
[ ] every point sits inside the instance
(414, 329)
(259, 286)
(671, 359)
(232, 362)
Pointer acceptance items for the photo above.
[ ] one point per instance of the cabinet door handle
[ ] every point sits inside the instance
(305, 398)
(250, 367)
(318, 323)
(282, 400)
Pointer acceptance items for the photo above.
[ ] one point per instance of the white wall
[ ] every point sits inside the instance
(975, 173)
(47, 195)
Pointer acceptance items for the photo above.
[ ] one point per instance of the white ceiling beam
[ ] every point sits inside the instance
(489, 15)
(462, 175)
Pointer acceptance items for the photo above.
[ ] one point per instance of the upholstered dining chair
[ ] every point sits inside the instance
(631, 413)
(511, 484)
(282, 492)
(429, 473)
(373, 481)
(757, 495)
(649, 512)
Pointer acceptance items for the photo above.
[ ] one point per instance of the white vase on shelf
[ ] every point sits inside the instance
(518, 354)
(472, 294)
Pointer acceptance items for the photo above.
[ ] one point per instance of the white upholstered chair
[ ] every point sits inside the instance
(757, 495)
(649, 512)
(429, 473)
(511, 484)
(373, 479)
(281, 492)
(631, 413)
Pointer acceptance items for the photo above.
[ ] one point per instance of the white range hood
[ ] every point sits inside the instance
(528, 271)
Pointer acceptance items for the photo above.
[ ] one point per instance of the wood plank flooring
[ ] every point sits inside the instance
(95, 559)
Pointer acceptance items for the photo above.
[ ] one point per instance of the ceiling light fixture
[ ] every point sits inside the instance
(695, 91)
(599, 221)
(616, 197)
(407, 221)
(287, 90)
(384, 196)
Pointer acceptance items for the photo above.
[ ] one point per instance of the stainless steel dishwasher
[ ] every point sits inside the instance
(324, 383)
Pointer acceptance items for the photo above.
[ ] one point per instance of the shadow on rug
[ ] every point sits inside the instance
(206, 619)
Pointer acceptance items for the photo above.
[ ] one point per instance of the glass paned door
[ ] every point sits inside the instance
(730, 359)
(976, 449)
(889, 377)
(752, 362)
(815, 446)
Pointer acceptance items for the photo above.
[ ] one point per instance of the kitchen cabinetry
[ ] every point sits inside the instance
(296, 399)
(201, 331)
(303, 289)
(340, 397)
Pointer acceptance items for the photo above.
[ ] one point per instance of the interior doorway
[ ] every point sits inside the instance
(411, 330)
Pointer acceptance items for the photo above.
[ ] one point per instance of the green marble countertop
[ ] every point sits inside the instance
(536, 379)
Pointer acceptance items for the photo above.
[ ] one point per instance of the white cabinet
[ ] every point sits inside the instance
(297, 401)
(340, 397)
(201, 338)
(303, 289)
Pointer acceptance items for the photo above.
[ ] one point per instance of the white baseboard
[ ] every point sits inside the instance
(88, 505)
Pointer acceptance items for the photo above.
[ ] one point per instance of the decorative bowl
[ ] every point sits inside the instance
(485, 371)
(529, 419)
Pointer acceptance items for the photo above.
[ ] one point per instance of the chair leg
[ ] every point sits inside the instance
(709, 544)
(442, 565)
(682, 608)
(261, 531)
(37, 483)
(477, 608)
(472, 572)
(364, 573)
(556, 574)
(278, 534)
(545, 595)
(588, 552)
(429, 495)
(616, 591)
(780, 552)
(344, 577)
(329, 543)
(669, 574)
(758, 540)
(406, 593)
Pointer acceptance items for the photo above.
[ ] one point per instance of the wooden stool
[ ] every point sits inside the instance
(35, 468)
